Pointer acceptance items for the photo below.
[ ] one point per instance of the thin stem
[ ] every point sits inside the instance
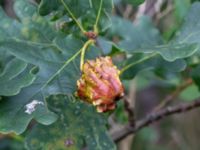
(98, 16)
(73, 17)
(113, 5)
(137, 62)
(83, 49)
(18, 138)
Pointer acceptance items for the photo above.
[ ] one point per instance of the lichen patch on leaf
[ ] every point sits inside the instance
(30, 107)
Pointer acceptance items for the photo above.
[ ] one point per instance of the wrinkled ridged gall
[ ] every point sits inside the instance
(100, 84)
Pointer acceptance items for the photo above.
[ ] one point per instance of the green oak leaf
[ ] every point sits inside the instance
(13, 117)
(139, 62)
(78, 126)
(53, 59)
(189, 32)
(14, 73)
(145, 38)
(141, 34)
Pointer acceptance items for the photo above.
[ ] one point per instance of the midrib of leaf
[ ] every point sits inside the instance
(61, 69)
(91, 5)
(189, 35)
(98, 17)
(73, 17)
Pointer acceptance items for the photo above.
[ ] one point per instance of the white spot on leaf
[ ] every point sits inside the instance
(30, 107)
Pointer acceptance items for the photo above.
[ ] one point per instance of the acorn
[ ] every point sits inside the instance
(100, 84)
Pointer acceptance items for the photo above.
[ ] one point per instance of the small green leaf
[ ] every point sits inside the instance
(190, 93)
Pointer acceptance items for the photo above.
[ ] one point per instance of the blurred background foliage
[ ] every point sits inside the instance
(179, 132)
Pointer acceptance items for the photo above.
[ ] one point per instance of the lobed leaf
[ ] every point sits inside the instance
(15, 76)
(56, 68)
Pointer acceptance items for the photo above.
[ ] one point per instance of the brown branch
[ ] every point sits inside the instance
(173, 95)
(130, 111)
(127, 11)
(153, 117)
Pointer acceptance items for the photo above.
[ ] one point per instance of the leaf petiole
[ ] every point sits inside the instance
(83, 49)
(73, 17)
(137, 62)
(98, 16)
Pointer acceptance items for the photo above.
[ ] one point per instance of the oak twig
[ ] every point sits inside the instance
(130, 112)
(153, 117)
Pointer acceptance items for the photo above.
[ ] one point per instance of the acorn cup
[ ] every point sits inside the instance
(99, 84)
